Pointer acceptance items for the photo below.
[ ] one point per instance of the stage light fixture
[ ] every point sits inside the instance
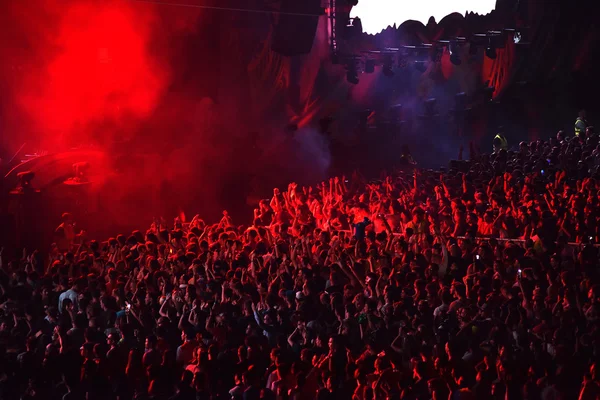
(517, 37)
(454, 50)
(369, 66)
(490, 51)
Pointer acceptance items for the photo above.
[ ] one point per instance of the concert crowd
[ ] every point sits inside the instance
(479, 281)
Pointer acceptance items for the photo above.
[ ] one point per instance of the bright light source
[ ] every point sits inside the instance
(518, 37)
(377, 15)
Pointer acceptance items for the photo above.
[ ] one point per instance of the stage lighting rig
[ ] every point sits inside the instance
(369, 66)
(519, 36)
(454, 49)
(478, 40)
(490, 51)
(496, 40)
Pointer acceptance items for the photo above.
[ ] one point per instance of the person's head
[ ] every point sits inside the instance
(112, 340)
(334, 343)
(269, 318)
(418, 215)
(381, 364)
(151, 342)
(274, 354)
(459, 290)
(67, 218)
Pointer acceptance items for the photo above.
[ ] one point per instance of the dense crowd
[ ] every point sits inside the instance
(459, 284)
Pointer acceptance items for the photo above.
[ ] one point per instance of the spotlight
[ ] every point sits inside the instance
(521, 36)
(454, 50)
(517, 37)
(490, 51)
(370, 66)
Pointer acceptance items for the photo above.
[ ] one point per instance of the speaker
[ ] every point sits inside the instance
(294, 32)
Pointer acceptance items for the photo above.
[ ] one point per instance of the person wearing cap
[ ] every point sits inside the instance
(500, 143)
(581, 125)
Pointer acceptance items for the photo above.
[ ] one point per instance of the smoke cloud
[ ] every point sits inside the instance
(163, 92)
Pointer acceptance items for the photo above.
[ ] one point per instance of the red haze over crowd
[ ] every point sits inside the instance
(129, 77)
